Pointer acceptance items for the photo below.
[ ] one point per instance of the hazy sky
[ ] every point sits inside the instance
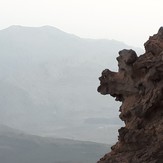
(130, 21)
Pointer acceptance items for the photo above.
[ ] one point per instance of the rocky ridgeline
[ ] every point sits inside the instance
(138, 84)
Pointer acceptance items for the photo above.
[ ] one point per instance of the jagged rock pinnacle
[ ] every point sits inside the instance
(138, 84)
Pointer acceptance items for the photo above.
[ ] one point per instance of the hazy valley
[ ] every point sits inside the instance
(48, 82)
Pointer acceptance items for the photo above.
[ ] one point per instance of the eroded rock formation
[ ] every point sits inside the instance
(138, 84)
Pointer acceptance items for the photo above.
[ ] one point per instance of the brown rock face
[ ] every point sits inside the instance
(139, 86)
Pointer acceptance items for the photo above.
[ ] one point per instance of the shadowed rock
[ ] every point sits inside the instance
(138, 84)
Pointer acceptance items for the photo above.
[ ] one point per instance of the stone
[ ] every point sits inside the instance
(138, 84)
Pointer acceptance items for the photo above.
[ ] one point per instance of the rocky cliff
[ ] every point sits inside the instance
(138, 84)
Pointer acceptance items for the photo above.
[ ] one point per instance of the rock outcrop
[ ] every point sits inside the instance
(138, 84)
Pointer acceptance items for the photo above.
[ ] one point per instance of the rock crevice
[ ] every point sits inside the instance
(138, 84)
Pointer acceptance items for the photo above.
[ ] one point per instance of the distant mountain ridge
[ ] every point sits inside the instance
(48, 81)
(6, 130)
(18, 147)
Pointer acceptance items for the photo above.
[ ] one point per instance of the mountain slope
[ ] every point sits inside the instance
(48, 83)
(18, 147)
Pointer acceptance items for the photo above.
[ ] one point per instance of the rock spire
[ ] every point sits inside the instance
(138, 84)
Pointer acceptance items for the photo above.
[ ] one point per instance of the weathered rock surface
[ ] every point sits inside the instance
(138, 84)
